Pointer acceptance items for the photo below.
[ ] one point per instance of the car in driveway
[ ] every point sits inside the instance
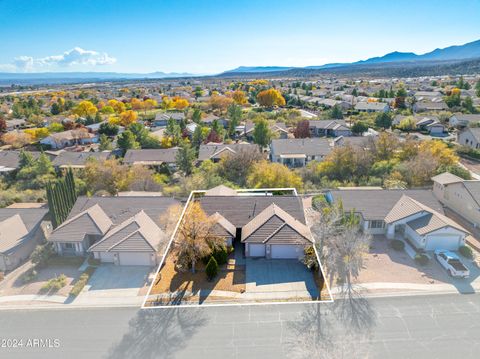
(452, 263)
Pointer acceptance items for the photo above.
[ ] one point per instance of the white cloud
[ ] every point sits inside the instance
(74, 57)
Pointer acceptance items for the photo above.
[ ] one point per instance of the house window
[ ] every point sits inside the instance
(376, 224)
(69, 245)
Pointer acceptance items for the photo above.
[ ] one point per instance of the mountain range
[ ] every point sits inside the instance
(469, 50)
(446, 59)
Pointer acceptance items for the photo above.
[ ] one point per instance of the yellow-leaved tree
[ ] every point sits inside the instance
(269, 98)
(273, 175)
(85, 108)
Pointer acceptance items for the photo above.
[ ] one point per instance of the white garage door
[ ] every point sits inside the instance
(286, 251)
(106, 257)
(442, 242)
(256, 250)
(134, 259)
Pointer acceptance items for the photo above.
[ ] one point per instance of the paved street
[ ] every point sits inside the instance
(441, 326)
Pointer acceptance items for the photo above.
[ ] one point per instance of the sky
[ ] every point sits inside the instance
(204, 37)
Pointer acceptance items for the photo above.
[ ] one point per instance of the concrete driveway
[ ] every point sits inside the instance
(287, 277)
(111, 284)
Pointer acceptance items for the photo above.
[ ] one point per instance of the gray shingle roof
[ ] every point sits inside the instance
(239, 210)
(327, 124)
(151, 156)
(66, 158)
(17, 224)
(306, 146)
(117, 210)
(214, 150)
(376, 204)
(11, 159)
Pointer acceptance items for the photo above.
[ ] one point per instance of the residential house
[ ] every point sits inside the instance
(216, 151)
(77, 160)
(278, 129)
(69, 138)
(459, 120)
(299, 151)
(372, 107)
(414, 215)
(331, 128)
(21, 230)
(15, 124)
(430, 106)
(461, 196)
(127, 230)
(469, 136)
(162, 118)
(265, 225)
(153, 158)
(10, 160)
(431, 124)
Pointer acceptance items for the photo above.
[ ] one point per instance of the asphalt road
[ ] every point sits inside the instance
(442, 326)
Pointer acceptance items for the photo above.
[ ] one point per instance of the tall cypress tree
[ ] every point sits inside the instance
(61, 196)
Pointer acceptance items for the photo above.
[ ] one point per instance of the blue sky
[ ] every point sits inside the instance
(211, 36)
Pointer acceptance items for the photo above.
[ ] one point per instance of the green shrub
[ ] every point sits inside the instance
(29, 275)
(212, 268)
(466, 252)
(82, 281)
(55, 284)
(42, 253)
(220, 255)
(397, 244)
(421, 259)
(319, 201)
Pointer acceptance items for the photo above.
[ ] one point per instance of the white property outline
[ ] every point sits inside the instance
(294, 190)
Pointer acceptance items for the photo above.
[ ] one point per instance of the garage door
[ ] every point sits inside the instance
(286, 251)
(134, 259)
(442, 242)
(256, 250)
(106, 257)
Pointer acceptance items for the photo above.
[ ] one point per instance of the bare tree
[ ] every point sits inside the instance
(196, 238)
(342, 245)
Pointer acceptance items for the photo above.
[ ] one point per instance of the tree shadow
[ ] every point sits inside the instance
(158, 333)
(338, 330)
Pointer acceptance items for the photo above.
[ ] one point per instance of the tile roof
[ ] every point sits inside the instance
(269, 225)
(66, 158)
(209, 151)
(151, 156)
(12, 231)
(92, 221)
(138, 233)
(306, 146)
(446, 178)
(221, 190)
(376, 204)
(239, 210)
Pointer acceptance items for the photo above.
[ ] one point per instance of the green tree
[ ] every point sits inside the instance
(105, 143)
(197, 115)
(185, 158)
(108, 129)
(235, 115)
(261, 133)
(359, 127)
(127, 141)
(477, 88)
(467, 104)
(336, 112)
(197, 137)
(383, 120)
(212, 268)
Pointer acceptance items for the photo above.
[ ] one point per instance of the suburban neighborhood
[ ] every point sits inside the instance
(239, 179)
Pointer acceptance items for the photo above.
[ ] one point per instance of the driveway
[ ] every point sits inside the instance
(114, 284)
(287, 277)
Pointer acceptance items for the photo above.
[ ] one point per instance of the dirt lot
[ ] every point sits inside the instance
(172, 280)
(384, 264)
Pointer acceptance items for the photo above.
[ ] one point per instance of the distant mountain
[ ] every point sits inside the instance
(70, 77)
(467, 51)
(250, 69)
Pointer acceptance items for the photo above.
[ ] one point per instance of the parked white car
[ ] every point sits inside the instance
(451, 262)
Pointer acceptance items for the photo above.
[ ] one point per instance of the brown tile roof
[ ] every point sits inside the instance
(269, 225)
(137, 234)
